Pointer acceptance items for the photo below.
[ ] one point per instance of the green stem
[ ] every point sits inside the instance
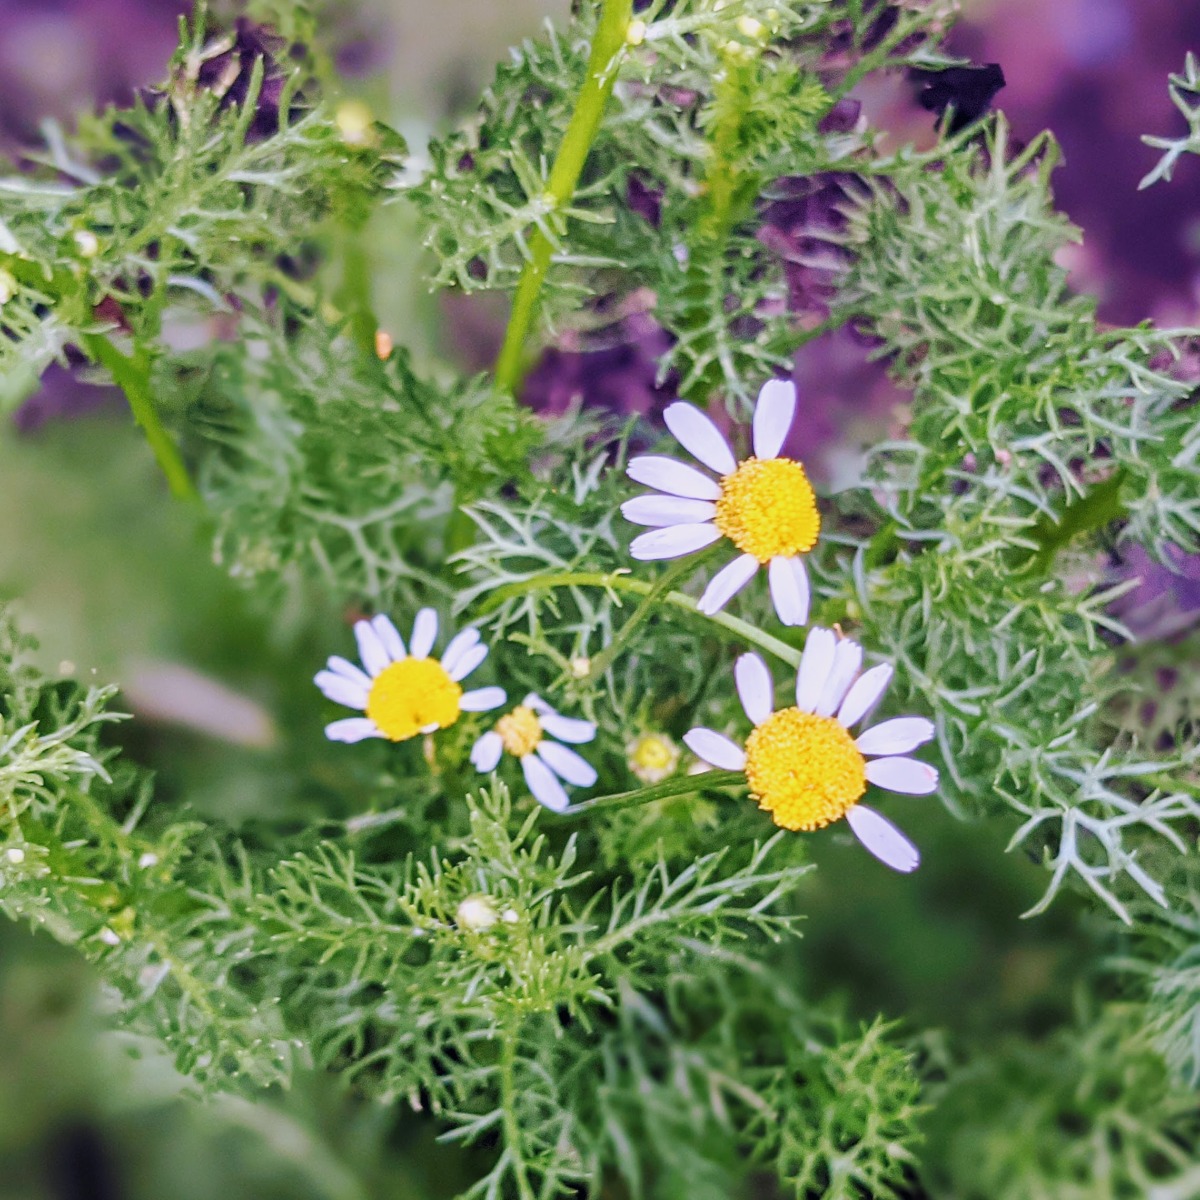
(607, 46)
(132, 376)
(508, 1103)
(619, 581)
(683, 785)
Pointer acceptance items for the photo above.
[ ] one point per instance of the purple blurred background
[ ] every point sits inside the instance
(1092, 71)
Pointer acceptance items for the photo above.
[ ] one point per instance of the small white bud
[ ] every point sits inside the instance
(8, 287)
(510, 916)
(87, 243)
(749, 27)
(635, 34)
(581, 665)
(15, 855)
(148, 860)
(109, 937)
(475, 914)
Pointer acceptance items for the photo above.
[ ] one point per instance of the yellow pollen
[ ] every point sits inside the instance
(412, 694)
(767, 508)
(804, 770)
(520, 731)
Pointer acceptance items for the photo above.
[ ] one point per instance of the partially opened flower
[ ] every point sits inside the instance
(525, 733)
(401, 689)
(802, 763)
(764, 505)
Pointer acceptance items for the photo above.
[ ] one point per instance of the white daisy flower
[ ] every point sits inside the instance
(764, 505)
(403, 690)
(652, 757)
(546, 764)
(802, 763)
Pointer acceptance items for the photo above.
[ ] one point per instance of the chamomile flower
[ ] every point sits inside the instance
(652, 757)
(404, 691)
(802, 763)
(764, 505)
(525, 733)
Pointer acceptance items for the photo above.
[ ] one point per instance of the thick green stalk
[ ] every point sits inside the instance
(607, 46)
(619, 581)
(682, 785)
(132, 376)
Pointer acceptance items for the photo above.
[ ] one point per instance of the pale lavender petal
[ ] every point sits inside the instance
(341, 690)
(673, 477)
(389, 635)
(567, 764)
(370, 649)
(696, 433)
(667, 510)
(715, 748)
(861, 698)
(485, 754)
(352, 729)
(424, 633)
(543, 783)
(460, 643)
(467, 662)
(883, 839)
(773, 415)
(568, 729)
(815, 666)
(482, 699)
(898, 736)
(789, 589)
(847, 659)
(726, 583)
(673, 542)
(345, 668)
(905, 775)
(755, 689)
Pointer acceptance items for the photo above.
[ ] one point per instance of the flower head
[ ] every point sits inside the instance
(764, 505)
(802, 763)
(404, 691)
(652, 757)
(525, 732)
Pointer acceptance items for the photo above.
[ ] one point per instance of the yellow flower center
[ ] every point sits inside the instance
(767, 508)
(652, 757)
(520, 731)
(412, 694)
(804, 770)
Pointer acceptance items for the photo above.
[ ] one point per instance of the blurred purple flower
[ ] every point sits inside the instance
(963, 94)
(1166, 600)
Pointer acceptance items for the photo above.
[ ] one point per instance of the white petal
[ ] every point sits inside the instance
(673, 477)
(567, 764)
(897, 736)
(568, 729)
(815, 665)
(861, 698)
(726, 583)
(424, 633)
(673, 542)
(460, 643)
(341, 690)
(482, 699)
(905, 775)
(370, 648)
(847, 659)
(389, 635)
(543, 783)
(883, 839)
(754, 686)
(667, 510)
(467, 662)
(534, 701)
(351, 729)
(773, 414)
(789, 589)
(345, 668)
(700, 437)
(715, 748)
(485, 754)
